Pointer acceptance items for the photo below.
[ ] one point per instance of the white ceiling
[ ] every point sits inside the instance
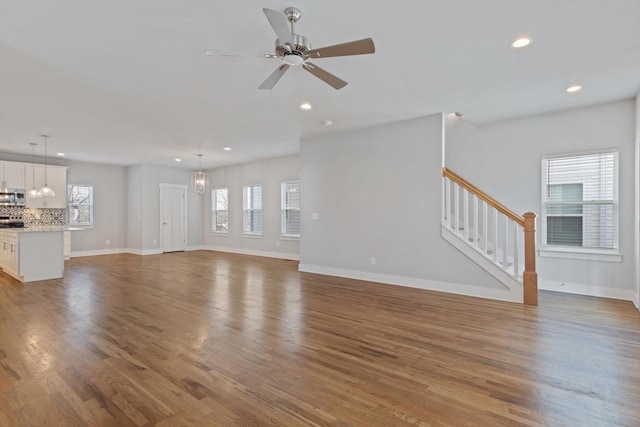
(127, 82)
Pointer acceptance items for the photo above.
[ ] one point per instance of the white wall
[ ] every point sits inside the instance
(504, 160)
(134, 208)
(144, 207)
(377, 193)
(270, 174)
(109, 206)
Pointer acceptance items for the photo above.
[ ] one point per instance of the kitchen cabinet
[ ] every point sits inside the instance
(57, 181)
(9, 260)
(32, 254)
(14, 174)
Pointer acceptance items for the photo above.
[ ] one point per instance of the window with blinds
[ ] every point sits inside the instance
(80, 204)
(290, 204)
(580, 200)
(252, 209)
(220, 210)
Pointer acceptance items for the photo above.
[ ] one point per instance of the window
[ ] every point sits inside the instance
(290, 208)
(252, 210)
(80, 204)
(580, 201)
(220, 210)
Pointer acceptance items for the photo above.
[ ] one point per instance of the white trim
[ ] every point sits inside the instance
(584, 289)
(636, 214)
(506, 279)
(196, 248)
(412, 282)
(96, 252)
(268, 254)
(292, 237)
(577, 254)
(542, 236)
(163, 186)
(143, 251)
(252, 235)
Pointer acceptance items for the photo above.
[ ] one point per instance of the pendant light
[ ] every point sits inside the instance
(33, 192)
(200, 179)
(46, 191)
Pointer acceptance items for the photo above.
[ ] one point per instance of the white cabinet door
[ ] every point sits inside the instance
(35, 178)
(14, 174)
(57, 181)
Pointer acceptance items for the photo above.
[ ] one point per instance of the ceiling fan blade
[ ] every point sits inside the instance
(325, 76)
(358, 47)
(212, 52)
(274, 77)
(280, 25)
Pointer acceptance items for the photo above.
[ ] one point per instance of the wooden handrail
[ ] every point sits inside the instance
(482, 195)
(528, 223)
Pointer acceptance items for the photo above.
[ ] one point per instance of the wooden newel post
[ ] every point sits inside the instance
(530, 277)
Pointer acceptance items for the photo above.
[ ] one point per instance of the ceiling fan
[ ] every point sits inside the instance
(295, 50)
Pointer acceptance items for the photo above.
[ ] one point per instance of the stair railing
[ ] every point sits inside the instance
(493, 230)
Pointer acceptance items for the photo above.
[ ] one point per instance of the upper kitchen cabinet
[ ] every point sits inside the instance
(14, 174)
(57, 181)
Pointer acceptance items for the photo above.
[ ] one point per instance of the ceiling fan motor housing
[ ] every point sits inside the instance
(300, 48)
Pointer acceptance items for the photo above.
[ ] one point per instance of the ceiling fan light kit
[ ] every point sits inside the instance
(295, 50)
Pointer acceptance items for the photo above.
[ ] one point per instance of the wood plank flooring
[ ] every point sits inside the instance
(214, 339)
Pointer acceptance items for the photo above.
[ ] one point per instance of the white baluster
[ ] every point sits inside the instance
(465, 194)
(516, 250)
(495, 235)
(505, 246)
(475, 221)
(456, 204)
(447, 208)
(485, 228)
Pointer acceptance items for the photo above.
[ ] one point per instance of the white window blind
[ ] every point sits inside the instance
(220, 210)
(80, 204)
(252, 209)
(580, 200)
(290, 197)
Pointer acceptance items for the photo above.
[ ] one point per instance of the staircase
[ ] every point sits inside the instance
(494, 237)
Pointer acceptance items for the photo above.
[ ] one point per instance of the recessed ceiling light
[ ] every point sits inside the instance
(327, 123)
(305, 106)
(227, 148)
(574, 88)
(177, 159)
(521, 42)
(60, 154)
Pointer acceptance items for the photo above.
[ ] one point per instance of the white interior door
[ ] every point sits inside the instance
(173, 221)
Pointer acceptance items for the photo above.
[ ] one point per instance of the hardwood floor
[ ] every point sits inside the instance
(214, 339)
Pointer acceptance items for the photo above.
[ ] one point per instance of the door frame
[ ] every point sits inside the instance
(163, 187)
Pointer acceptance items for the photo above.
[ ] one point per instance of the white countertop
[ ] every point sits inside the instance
(43, 229)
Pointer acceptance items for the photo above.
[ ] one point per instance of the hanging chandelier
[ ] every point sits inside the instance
(200, 179)
(46, 191)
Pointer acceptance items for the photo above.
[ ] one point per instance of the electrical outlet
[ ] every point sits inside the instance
(278, 244)
(155, 242)
(373, 260)
(108, 242)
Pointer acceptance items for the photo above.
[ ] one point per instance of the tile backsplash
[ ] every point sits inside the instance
(37, 217)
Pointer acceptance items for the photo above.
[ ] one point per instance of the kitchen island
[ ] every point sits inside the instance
(32, 254)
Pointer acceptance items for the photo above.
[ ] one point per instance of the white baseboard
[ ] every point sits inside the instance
(268, 254)
(583, 289)
(412, 282)
(197, 248)
(77, 254)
